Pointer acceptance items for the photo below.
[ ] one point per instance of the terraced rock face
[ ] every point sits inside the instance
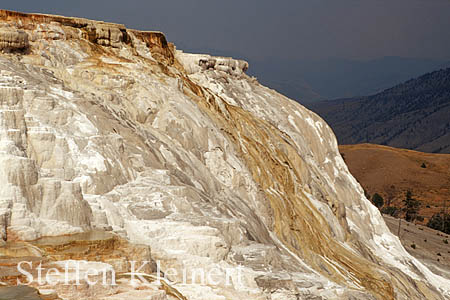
(102, 127)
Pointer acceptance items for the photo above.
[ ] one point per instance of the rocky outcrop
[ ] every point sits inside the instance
(13, 40)
(157, 43)
(194, 63)
(23, 292)
(81, 253)
(57, 27)
(102, 127)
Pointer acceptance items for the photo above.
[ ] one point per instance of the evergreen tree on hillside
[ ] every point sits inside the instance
(440, 222)
(377, 200)
(411, 208)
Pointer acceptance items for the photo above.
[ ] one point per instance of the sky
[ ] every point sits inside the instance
(288, 29)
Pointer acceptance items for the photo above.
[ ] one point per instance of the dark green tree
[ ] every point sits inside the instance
(440, 222)
(377, 200)
(390, 210)
(411, 208)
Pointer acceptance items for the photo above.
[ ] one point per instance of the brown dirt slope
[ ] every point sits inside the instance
(423, 243)
(390, 172)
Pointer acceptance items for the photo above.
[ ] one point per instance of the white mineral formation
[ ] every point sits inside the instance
(106, 127)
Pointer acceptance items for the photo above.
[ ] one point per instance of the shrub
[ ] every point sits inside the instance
(423, 165)
(391, 210)
(413, 246)
(377, 200)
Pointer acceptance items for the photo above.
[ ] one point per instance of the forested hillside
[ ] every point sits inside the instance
(413, 115)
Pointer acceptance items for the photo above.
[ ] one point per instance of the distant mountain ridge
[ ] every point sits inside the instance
(413, 115)
(332, 78)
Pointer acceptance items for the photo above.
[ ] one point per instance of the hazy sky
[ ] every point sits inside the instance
(292, 29)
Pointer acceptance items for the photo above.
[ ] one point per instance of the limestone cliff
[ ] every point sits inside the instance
(109, 128)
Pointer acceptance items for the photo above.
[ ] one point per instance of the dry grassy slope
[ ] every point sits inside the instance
(391, 172)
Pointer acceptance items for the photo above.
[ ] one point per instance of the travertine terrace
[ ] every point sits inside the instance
(106, 128)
